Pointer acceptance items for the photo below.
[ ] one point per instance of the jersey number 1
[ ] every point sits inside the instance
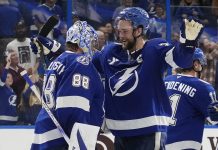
(174, 101)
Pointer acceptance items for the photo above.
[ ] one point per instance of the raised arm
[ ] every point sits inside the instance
(180, 54)
(5, 71)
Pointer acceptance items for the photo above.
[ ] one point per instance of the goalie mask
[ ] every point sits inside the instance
(84, 35)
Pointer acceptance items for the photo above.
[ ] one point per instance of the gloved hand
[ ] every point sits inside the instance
(190, 32)
(40, 43)
(36, 48)
(213, 111)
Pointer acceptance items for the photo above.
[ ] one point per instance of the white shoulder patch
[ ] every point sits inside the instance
(164, 44)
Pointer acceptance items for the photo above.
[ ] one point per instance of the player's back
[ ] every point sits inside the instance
(189, 98)
(54, 75)
(74, 93)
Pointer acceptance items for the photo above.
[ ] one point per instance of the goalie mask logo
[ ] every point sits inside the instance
(124, 82)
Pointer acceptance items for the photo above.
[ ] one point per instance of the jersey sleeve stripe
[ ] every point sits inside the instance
(74, 102)
(8, 118)
(47, 136)
(184, 145)
(169, 58)
(137, 123)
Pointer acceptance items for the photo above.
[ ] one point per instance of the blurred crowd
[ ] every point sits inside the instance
(22, 19)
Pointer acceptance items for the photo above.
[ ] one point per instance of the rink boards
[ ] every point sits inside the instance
(20, 138)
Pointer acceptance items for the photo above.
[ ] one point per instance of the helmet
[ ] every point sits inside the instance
(199, 55)
(82, 34)
(138, 17)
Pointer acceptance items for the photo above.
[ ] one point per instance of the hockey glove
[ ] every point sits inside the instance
(45, 44)
(190, 32)
(213, 111)
(36, 48)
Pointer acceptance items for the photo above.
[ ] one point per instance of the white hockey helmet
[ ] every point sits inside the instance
(84, 35)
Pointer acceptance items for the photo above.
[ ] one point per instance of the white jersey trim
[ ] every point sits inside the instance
(8, 118)
(169, 58)
(73, 101)
(184, 145)
(137, 123)
(1, 83)
(47, 136)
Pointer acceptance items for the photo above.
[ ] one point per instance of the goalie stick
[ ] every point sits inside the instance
(45, 106)
(48, 26)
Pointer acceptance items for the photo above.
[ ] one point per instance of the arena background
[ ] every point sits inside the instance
(98, 13)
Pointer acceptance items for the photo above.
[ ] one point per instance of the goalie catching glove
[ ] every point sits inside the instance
(40, 43)
(213, 111)
(190, 32)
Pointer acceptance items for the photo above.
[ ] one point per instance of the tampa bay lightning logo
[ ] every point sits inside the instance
(124, 82)
(83, 60)
(12, 100)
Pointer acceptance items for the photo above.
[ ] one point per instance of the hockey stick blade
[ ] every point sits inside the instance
(49, 25)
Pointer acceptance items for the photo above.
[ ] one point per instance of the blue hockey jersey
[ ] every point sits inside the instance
(74, 92)
(8, 112)
(189, 97)
(136, 101)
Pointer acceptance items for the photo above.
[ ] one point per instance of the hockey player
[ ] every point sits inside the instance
(74, 93)
(137, 107)
(189, 97)
(8, 112)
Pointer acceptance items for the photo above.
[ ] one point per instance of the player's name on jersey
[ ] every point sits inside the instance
(56, 65)
(184, 88)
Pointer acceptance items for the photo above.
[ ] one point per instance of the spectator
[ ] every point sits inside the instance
(101, 40)
(18, 82)
(75, 17)
(110, 31)
(106, 34)
(26, 7)
(30, 104)
(160, 12)
(215, 8)
(9, 16)
(175, 37)
(187, 92)
(158, 22)
(21, 45)
(189, 8)
(124, 4)
(85, 11)
(8, 112)
(149, 5)
(61, 38)
(44, 11)
(211, 52)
